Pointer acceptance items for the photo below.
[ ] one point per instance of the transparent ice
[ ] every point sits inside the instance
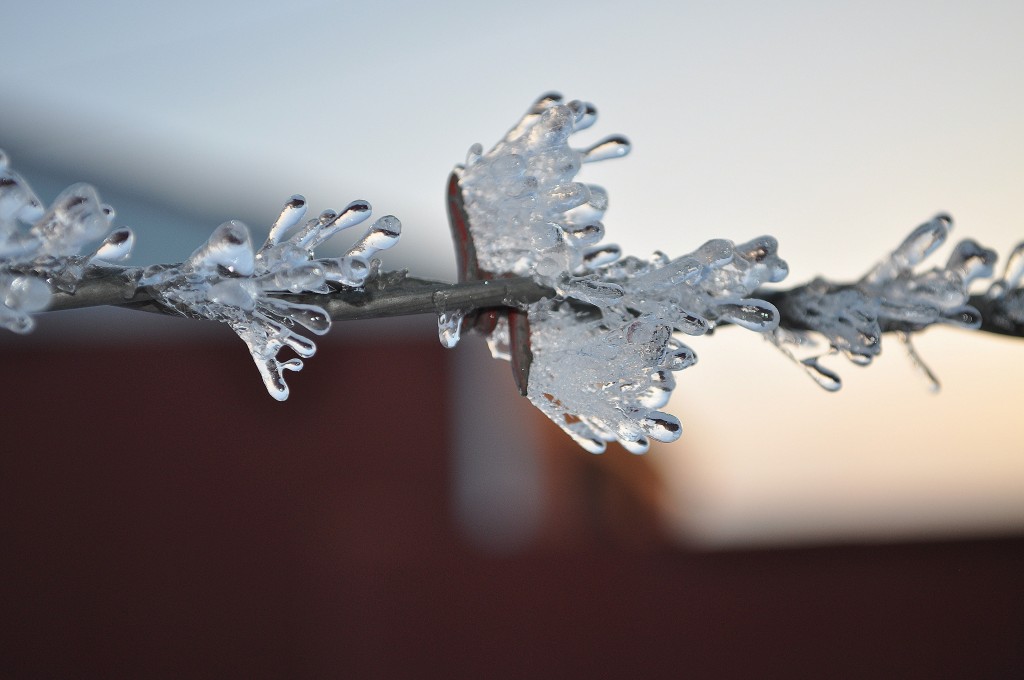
(602, 373)
(893, 296)
(527, 214)
(601, 355)
(41, 248)
(226, 280)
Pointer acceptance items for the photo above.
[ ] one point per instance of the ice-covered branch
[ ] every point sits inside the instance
(594, 337)
(895, 297)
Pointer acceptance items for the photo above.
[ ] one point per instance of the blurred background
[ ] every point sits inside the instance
(405, 513)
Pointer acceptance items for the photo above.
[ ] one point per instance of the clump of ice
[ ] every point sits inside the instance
(602, 378)
(601, 373)
(527, 214)
(226, 280)
(893, 296)
(41, 248)
(1005, 295)
(599, 358)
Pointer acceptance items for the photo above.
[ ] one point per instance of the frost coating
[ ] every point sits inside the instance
(527, 215)
(40, 248)
(892, 296)
(226, 280)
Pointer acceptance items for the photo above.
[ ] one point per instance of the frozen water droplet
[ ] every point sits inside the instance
(588, 234)
(615, 146)
(545, 102)
(449, 327)
(314, 318)
(688, 323)
(350, 270)
(302, 346)
(715, 253)
(593, 291)
(382, 235)
(662, 427)
(306, 277)
(598, 198)
(353, 214)
(826, 378)
(583, 435)
(229, 247)
(970, 261)
(599, 256)
(586, 114)
(291, 215)
(117, 246)
(25, 294)
(682, 358)
(638, 447)
(474, 153)
(1013, 271)
(663, 379)
(564, 197)
(755, 315)
(921, 242)
(17, 200)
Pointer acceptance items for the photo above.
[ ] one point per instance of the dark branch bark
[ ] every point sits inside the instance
(395, 294)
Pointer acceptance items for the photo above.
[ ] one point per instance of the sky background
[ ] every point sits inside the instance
(836, 127)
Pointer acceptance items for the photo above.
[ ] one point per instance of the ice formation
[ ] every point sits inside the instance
(526, 214)
(891, 297)
(598, 358)
(226, 280)
(602, 373)
(1004, 300)
(40, 248)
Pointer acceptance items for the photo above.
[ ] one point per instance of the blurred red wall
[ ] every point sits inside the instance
(161, 516)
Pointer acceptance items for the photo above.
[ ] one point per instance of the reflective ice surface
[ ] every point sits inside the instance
(893, 296)
(226, 280)
(599, 357)
(41, 249)
(527, 214)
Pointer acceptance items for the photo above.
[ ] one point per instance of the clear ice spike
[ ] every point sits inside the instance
(449, 327)
(229, 247)
(826, 378)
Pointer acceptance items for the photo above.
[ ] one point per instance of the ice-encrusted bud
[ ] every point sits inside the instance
(42, 248)
(225, 280)
(892, 296)
(598, 358)
(527, 214)
(603, 381)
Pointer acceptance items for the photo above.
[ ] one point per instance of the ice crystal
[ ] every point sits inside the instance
(597, 359)
(603, 378)
(602, 373)
(226, 280)
(1005, 297)
(893, 297)
(527, 215)
(41, 248)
